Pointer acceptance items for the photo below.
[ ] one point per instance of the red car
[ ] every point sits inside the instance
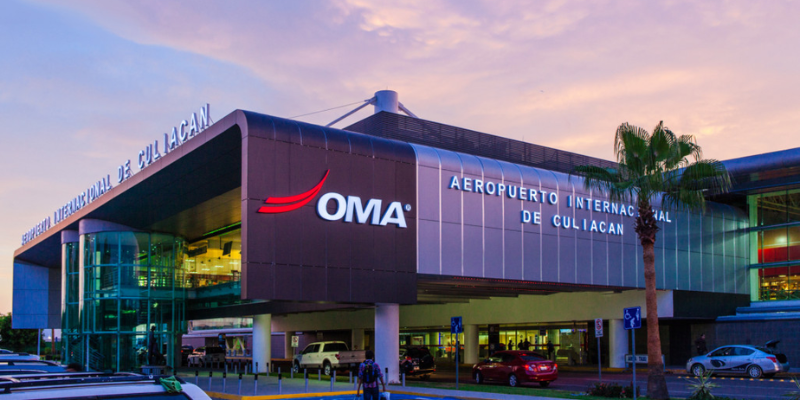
(516, 367)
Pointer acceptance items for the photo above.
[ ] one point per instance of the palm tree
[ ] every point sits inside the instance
(650, 166)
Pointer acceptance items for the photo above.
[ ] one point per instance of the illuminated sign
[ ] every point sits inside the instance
(346, 208)
(352, 206)
(187, 129)
(518, 192)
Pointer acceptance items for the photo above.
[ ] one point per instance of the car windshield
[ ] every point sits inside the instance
(532, 357)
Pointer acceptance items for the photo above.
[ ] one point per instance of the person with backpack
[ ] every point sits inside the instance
(369, 372)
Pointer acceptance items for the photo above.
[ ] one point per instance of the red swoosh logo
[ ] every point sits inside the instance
(284, 204)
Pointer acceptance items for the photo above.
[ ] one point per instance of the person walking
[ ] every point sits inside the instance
(700, 345)
(152, 346)
(369, 373)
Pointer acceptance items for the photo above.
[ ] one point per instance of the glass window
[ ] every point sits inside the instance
(105, 313)
(794, 242)
(107, 248)
(793, 206)
(721, 352)
(772, 208)
(743, 351)
(774, 246)
(133, 248)
(132, 319)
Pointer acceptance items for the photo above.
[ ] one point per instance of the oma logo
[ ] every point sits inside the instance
(351, 206)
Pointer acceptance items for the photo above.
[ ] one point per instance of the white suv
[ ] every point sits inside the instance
(95, 385)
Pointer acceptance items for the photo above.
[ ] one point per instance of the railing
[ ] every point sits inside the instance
(778, 294)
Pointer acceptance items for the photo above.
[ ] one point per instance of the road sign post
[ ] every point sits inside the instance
(456, 327)
(598, 333)
(632, 317)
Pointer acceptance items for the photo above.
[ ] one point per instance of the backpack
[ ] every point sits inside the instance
(370, 375)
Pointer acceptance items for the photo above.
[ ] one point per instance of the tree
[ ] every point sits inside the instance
(650, 166)
(15, 339)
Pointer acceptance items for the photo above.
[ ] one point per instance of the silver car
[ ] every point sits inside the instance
(742, 359)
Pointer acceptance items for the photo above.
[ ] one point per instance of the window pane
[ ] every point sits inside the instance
(772, 208)
(793, 206)
(105, 313)
(133, 315)
(774, 246)
(134, 247)
(107, 248)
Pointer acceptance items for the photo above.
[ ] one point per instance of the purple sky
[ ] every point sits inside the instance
(86, 84)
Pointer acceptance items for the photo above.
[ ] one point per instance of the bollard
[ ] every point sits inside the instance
(319, 374)
(240, 385)
(236, 368)
(351, 376)
(331, 383)
(280, 382)
(196, 377)
(404, 379)
(255, 383)
(210, 373)
(291, 372)
(257, 370)
(306, 383)
(334, 375)
(279, 371)
(224, 380)
(305, 375)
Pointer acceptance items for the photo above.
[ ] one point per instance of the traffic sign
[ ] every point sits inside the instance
(632, 317)
(456, 325)
(598, 327)
(295, 341)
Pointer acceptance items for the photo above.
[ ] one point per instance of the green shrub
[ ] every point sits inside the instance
(612, 390)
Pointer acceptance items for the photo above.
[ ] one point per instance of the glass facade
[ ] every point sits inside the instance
(118, 285)
(775, 240)
(570, 343)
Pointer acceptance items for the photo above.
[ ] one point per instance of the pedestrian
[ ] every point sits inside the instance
(152, 346)
(700, 345)
(510, 344)
(550, 350)
(527, 344)
(369, 373)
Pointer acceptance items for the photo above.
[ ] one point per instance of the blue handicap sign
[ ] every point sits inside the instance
(456, 326)
(633, 317)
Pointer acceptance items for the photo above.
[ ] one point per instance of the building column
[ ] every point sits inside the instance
(288, 350)
(471, 347)
(262, 338)
(617, 343)
(357, 339)
(387, 340)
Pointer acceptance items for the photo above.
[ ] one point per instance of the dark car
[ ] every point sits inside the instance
(417, 361)
(186, 350)
(515, 368)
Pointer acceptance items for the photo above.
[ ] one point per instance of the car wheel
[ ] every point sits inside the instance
(327, 369)
(512, 380)
(544, 383)
(754, 371)
(478, 378)
(698, 370)
(296, 367)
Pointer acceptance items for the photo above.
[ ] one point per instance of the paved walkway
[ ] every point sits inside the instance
(271, 388)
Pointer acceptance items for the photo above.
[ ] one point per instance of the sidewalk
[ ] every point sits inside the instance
(269, 388)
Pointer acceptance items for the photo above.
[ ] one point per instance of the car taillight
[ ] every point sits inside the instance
(337, 356)
(408, 358)
(773, 359)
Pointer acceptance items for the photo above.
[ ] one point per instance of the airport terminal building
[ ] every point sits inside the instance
(379, 233)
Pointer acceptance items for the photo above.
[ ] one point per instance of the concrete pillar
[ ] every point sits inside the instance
(357, 339)
(262, 338)
(387, 340)
(617, 343)
(471, 344)
(288, 350)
